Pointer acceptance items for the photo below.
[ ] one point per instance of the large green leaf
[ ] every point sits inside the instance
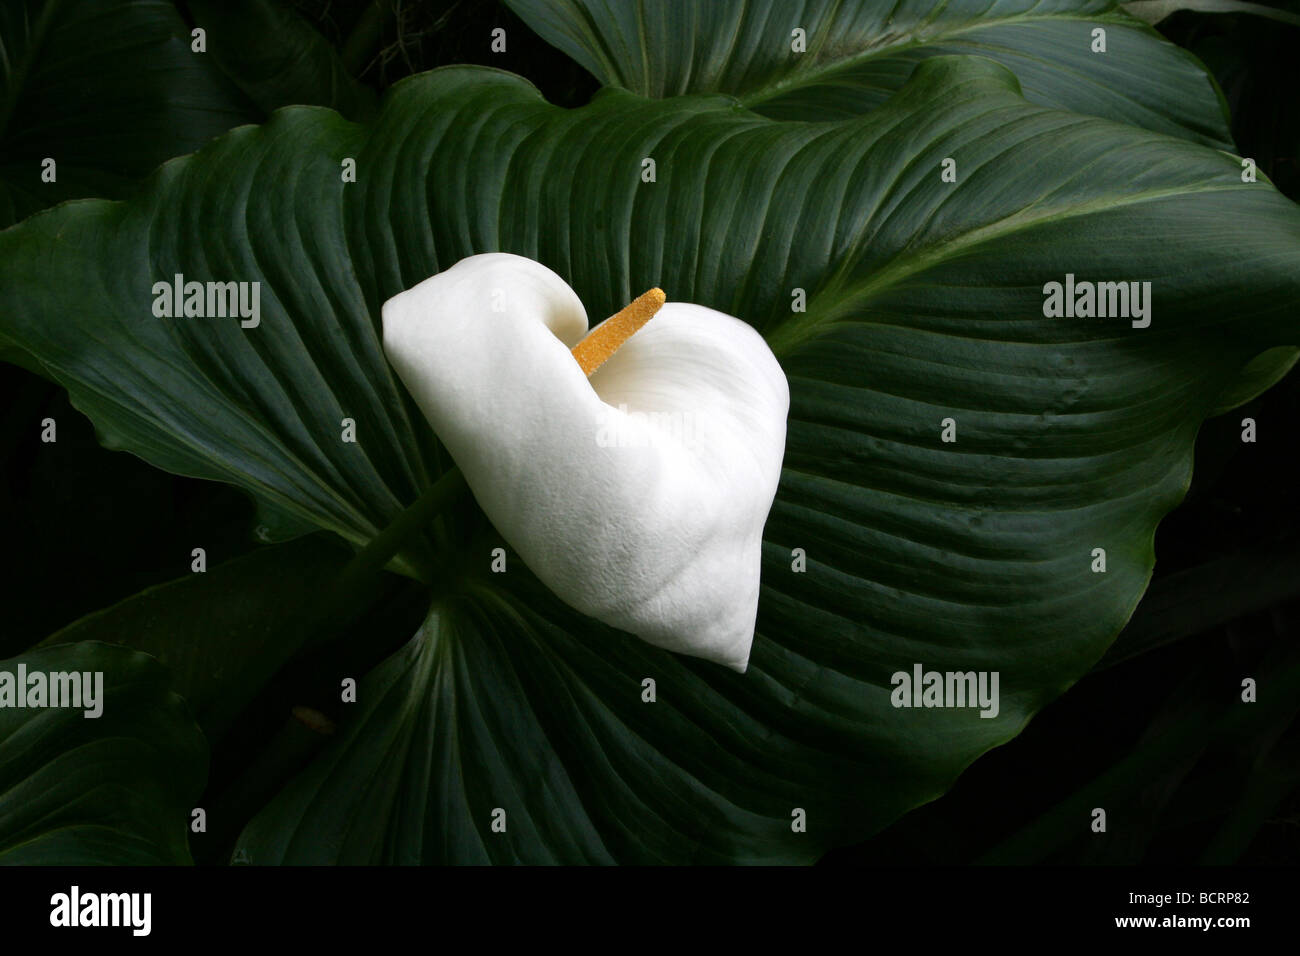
(73, 88)
(924, 302)
(277, 58)
(224, 633)
(1153, 11)
(114, 789)
(858, 52)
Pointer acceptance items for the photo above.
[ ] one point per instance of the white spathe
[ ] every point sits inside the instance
(639, 495)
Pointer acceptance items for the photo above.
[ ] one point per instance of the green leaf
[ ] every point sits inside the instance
(858, 52)
(1180, 733)
(1206, 596)
(73, 89)
(115, 789)
(492, 707)
(1153, 11)
(277, 58)
(924, 302)
(224, 633)
(1259, 375)
(1250, 58)
(263, 411)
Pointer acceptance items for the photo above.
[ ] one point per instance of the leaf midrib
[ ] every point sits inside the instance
(801, 327)
(814, 74)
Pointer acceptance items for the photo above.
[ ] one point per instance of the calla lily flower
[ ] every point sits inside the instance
(637, 495)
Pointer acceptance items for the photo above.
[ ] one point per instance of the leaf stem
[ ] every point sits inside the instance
(343, 597)
(359, 47)
(384, 546)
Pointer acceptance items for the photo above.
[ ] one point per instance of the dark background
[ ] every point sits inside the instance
(1181, 782)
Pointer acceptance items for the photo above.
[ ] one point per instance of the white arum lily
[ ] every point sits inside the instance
(637, 495)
